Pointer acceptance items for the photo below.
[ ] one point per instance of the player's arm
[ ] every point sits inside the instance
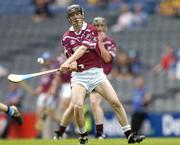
(37, 91)
(3, 107)
(75, 56)
(54, 85)
(104, 52)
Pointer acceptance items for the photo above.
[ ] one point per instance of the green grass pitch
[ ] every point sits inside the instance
(147, 141)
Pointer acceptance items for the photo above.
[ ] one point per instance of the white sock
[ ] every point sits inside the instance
(82, 130)
(126, 128)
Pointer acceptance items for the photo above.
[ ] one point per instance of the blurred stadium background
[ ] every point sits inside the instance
(23, 40)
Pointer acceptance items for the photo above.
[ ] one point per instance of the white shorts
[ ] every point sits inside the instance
(42, 102)
(88, 78)
(65, 90)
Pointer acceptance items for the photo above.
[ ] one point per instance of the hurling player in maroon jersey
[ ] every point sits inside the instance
(61, 87)
(45, 101)
(107, 47)
(80, 43)
(108, 51)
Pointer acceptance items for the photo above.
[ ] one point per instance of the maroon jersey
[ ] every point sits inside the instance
(110, 45)
(45, 81)
(64, 76)
(88, 36)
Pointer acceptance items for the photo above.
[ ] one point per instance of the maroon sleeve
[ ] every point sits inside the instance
(66, 46)
(112, 48)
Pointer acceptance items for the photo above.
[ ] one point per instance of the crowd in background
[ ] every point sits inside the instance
(128, 64)
(169, 8)
(135, 11)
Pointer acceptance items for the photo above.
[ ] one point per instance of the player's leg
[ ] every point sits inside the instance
(64, 103)
(107, 91)
(95, 101)
(3, 107)
(66, 108)
(78, 96)
(64, 97)
(40, 120)
(68, 116)
(65, 121)
(51, 110)
(40, 113)
(12, 111)
(51, 116)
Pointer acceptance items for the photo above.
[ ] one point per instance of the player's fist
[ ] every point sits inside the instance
(73, 66)
(65, 67)
(101, 36)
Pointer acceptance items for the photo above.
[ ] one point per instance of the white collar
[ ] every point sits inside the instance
(84, 26)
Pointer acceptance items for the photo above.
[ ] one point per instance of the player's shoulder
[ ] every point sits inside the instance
(66, 33)
(91, 27)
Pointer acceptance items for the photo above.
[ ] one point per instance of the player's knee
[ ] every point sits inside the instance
(115, 103)
(78, 106)
(93, 102)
